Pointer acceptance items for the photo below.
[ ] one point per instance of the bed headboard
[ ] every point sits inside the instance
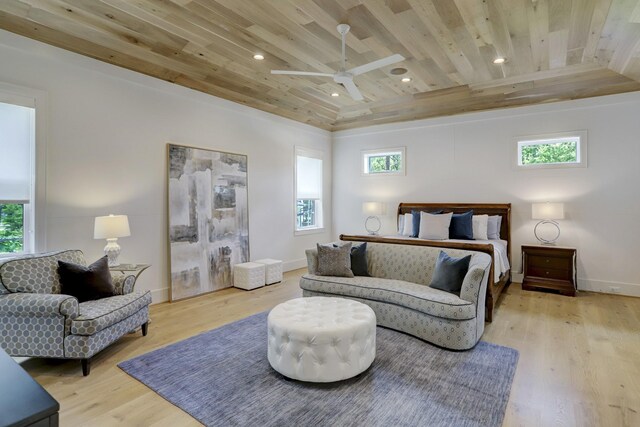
(502, 209)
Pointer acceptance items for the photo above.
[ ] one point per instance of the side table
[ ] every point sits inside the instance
(549, 267)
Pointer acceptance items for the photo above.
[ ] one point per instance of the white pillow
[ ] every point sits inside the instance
(493, 227)
(407, 228)
(400, 224)
(480, 225)
(434, 227)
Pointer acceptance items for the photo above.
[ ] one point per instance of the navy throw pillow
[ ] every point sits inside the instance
(450, 273)
(358, 259)
(461, 226)
(416, 221)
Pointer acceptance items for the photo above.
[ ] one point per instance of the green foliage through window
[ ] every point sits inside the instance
(306, 213)
(385, 163)
(549, 153)
(11, 228)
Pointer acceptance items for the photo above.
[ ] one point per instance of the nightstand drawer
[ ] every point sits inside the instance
(549, 273)
(542, 261)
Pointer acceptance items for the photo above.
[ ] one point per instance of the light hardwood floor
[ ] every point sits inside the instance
(579, 359)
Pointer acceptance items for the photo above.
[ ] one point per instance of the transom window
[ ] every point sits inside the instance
(389, 161)
(552, 151)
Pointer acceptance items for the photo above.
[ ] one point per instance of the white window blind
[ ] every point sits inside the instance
(309, 177)
(16, 124)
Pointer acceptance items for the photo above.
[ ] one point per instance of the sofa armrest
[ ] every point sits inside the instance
(474, 285)
(312, 260)
(124, 283)
(38, 305)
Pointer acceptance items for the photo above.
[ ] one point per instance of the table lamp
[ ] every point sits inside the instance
(111, 227)
(372, 210)
(547, 213)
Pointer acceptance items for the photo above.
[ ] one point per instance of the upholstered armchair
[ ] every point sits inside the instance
(36, 320)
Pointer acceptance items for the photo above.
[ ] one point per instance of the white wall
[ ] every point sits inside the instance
(106, 153)
(470, 158)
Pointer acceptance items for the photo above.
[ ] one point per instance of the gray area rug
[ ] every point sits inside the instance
(223, 378)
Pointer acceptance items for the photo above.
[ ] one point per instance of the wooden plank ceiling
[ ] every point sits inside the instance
(554, 49)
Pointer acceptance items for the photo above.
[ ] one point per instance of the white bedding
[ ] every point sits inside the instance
(500, 256)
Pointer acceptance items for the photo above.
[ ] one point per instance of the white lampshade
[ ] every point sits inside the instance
(110, 227)
(372, 208)
(547, 210)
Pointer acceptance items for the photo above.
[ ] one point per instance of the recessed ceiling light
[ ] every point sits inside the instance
(258, 56)
(335, 94)
(406, 79)
(499, 60)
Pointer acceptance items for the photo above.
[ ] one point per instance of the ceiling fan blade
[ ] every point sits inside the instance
(353, 90)
(301, 73)
(376, 64)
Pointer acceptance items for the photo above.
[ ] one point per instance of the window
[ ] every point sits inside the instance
(389, 161)
(308, 206)
(553, 151)
(18, 170)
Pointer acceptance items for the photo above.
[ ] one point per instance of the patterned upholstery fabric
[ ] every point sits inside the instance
(417, 297)
(85, 346)
(38, 305)
(398, 292)
(37, 273)
(450, 334)
(37, 321)
(100, 314)
(123, 283)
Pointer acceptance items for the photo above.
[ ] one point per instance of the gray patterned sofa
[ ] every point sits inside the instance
(399, 294)
(36, 320)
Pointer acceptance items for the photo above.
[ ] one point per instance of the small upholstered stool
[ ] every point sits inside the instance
(248, 275)
(272, 270)
(321, 339)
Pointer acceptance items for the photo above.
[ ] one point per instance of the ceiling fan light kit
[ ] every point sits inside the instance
(344, 76)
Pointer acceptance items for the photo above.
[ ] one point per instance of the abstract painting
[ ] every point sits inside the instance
(208, 219)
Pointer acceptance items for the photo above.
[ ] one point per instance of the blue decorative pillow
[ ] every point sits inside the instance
(450, 272)
(358, 259)
(416, 221)
(461, 226)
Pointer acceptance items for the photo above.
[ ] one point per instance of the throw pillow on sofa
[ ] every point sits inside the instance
(450, 272)
(359, 264)
(86, 283)
(334, 261)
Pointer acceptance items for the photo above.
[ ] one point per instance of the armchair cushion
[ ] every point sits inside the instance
(36, 273)
(38, 305)
(100, 314)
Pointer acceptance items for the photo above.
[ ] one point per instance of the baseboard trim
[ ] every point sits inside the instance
(600, 286)
(605, 287)
(294, 264)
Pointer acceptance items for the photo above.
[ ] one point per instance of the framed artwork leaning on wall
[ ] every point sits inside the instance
(208, 219)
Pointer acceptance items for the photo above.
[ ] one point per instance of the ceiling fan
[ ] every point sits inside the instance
(345, 77)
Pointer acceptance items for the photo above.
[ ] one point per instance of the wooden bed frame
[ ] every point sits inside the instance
(494, 289)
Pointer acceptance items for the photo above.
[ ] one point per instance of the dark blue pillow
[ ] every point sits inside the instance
(461, 226)
(358, 259)
(450, 273)
(416, 221)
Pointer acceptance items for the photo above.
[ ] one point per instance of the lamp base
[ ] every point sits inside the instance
(112, 250)
(373, 231)
(542, 239)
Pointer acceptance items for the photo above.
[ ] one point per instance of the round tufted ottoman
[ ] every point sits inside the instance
(321, 339)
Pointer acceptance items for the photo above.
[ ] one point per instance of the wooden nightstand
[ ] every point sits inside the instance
(549, 267)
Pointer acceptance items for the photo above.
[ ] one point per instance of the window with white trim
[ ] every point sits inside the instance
(553, 150)
(386, 161)
(308, 182)
(17, 162)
